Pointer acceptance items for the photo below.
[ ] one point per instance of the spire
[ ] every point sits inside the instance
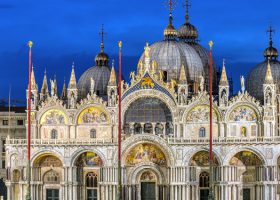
(45, 88)
(170, 32)
(55, 85)
(271, 52)
(268, 75)
(224, 79)
(113, 80)
(64, 90)
(102, 33)
(72, 82)
(102, 59)
(33, 81)
(187, 17)
(183, 77)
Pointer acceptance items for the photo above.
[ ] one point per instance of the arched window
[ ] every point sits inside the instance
(137, 128)
(92, 186)
(51, 177)
(92, 133)
(204, 180)
(202, 132)
(54, 134)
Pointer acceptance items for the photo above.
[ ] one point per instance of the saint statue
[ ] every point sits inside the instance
(132, 76)
(52, 87)
(242, 80)
(201, 84)
(147, 50)
(92, 83)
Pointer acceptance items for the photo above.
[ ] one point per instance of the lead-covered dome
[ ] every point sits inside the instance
(170, 55)
(256, 77)
(100, 74)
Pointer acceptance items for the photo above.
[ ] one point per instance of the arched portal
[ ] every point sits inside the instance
(200, 171)
(88, 166)
(48, 169)
(148, 115)
(248, 170)
(146, 166)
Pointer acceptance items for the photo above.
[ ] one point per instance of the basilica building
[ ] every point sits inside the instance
(165, 130)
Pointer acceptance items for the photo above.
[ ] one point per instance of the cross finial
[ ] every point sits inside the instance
(187, 5)
(270, 31)
(102, 34)
(170, 4)
(224, 62)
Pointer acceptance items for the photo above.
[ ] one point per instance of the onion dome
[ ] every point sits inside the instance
(256, 77)
(170, 33)
(96, 76)
(187, 32)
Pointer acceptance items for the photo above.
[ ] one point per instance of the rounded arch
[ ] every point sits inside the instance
(137, 171)
(190, 154)
(43, 153)
(242, 104)
(98, 114)
(135, 140)
(201, 106)
(79, 152)
(149, 93)
(237, 150)
(55, 115)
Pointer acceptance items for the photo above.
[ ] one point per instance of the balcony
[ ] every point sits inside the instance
(169, 140)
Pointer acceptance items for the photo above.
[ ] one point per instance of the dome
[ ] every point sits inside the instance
(100, 75)
(170, 55)
(256, 77)
(188, 32)
(204, 55)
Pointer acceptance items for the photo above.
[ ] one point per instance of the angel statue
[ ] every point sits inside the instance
(201, 84)
(242, 80)
(52, 87)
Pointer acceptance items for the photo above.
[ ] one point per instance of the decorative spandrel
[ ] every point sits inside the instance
(145, 153)
(245, 158)
(92, 115)
(243, 113)
(89, 159)
(54, 117)
(201, 114)
(202, 159)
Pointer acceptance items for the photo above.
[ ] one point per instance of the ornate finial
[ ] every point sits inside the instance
(102, 34)
(187, 5)
(120, 44)
(268, 75)
(73, 65)
(211, 44)
(224, 79)
(270, 31)
(182, 77)
(30, 44)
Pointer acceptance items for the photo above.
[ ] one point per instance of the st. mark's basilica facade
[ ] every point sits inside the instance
(165, 130)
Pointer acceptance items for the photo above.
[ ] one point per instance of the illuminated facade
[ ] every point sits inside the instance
(165, 131)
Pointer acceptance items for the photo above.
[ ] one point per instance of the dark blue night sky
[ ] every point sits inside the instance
(64, 31)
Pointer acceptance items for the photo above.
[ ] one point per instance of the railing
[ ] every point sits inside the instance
(225, 140)
(169, 140)
(62, 141)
